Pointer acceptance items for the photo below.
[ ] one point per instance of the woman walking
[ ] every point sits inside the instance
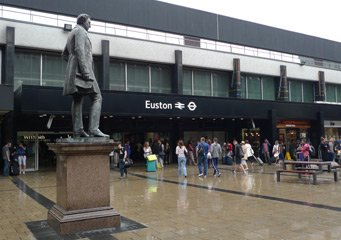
(180, 152)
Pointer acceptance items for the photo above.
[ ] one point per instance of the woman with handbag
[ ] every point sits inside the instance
(122, 156)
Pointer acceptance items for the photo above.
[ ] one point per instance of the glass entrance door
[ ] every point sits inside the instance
(30, 141)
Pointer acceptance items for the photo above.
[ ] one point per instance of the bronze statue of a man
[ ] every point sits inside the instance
(80, 79)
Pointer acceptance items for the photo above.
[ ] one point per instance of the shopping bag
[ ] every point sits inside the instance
(159, 165)
(287, 156)
(151, 157)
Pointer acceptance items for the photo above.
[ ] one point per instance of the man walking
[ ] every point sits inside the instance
(216, 153)
(80, 79)
(202, 150)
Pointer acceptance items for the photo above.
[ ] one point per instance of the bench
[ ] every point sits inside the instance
(299, 172)
(306, 171)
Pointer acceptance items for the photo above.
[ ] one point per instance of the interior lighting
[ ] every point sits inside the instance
(67, 27)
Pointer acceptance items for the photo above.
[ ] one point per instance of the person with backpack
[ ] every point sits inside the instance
(216, 153)
(202, 150)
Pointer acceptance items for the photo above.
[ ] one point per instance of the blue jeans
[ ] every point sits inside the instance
(215, 165)
(202, 160)
(6, 168)
(182, 165)
(123, 169)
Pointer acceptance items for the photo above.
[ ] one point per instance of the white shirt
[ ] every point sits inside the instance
(180, 151)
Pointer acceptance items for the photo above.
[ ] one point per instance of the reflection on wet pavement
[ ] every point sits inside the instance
(254, 206)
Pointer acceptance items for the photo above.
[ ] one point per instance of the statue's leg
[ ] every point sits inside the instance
(95, 111)
(76, 111)
(95, 115)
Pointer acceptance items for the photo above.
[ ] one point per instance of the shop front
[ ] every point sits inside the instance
(293, 130)
(332, 129)
(38, 154)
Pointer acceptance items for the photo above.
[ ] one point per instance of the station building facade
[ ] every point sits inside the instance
(171, 73)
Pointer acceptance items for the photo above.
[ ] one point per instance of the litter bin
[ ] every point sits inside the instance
(151, 163)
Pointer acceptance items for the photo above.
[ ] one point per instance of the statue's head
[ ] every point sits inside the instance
(84, 20)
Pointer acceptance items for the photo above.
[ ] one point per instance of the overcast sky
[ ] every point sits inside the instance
(312, 17)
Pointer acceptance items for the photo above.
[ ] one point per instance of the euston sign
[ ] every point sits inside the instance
(191, 106)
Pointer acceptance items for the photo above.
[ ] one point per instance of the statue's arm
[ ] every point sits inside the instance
(80, 44)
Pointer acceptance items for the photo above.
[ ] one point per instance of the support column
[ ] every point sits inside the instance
(317, 129)
(235, 83)
(105, 65)
(177, 84)
(8, 125)
(283, 93)
(9, 56)
(320, 94)
(273, 122)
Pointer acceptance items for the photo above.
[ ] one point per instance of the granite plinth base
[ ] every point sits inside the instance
(68, 222)
(83, 187)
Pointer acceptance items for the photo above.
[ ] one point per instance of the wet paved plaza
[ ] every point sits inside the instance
(161, 205)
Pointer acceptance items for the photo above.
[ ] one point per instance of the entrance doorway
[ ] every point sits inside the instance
(38, 154)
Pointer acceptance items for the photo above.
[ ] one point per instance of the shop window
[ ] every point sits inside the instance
(220, 84)
(308, 92)
(202, 83)
(53, 72)
(268, 88)
(338, 93)
(187, 82)
(295, 91)
(330, 93)
(243, 86)
(161, 79)
(117, 76)
(254, 87)
(27, 69)
(138, 78)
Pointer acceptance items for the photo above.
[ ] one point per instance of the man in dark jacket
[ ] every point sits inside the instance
(80, 79)
(237, 157)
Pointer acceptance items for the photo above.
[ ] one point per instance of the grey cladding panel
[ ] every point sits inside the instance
(265, 37)
(165, 17)
(140, 13)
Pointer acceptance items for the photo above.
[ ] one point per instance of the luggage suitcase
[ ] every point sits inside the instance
(151, 166)
(259, 161)
(14, 169)
(229, 161)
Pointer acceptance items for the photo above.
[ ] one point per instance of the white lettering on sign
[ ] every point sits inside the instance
(164, 106)
(157, 105)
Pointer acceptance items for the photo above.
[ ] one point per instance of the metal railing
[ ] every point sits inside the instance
(150, 35)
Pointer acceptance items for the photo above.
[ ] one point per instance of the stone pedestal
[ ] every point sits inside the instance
(83, 186)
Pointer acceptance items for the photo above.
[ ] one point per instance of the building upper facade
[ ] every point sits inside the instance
(159, 16)
(141, 60)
